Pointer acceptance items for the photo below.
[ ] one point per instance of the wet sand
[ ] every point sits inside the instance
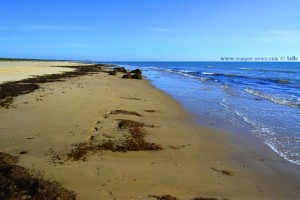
(83, 113)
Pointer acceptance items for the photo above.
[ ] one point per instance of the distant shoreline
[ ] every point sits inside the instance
(32, 59)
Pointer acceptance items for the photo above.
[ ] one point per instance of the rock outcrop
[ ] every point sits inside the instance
(136, 71)
(120, 69)
(134, 74)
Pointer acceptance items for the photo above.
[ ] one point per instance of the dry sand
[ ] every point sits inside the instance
(12, 70)
(50, 121)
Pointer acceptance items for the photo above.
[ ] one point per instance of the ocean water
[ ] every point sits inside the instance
(262, 98)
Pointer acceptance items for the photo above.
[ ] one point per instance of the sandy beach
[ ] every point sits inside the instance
(12, 71)
(101, 114)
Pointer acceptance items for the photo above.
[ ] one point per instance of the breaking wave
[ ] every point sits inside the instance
(291, 100)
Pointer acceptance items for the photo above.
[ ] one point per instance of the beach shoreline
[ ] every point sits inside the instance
(195, 161)
(247, 144)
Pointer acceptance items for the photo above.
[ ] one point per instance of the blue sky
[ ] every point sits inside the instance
(149, 30)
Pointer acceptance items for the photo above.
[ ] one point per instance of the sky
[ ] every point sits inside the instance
(149, 30)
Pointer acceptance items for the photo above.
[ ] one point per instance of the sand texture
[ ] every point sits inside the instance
(104, 137)
(13, 70)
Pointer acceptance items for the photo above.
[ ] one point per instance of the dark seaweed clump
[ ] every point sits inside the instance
(169, 197)
(10, 90)
(17, 183)
(150, 111)
(163, 197)
(125, 112)
(135, 141)
(225, 172)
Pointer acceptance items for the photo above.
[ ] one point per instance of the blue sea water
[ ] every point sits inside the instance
(263, 98)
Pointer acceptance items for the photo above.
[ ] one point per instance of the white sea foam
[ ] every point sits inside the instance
(229, 90)
(208, 73)
(247, 69)
(224, 103)
(185, 73)
(272, 146)
(291, 100)
(267, 135)
(205, 79)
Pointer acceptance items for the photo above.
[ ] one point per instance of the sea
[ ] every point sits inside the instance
(262, 98)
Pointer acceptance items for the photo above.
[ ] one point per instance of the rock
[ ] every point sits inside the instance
(127, 76)
(137, 76)
(136, 71)
(120, 69)
(133, 76)
(112, 73)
